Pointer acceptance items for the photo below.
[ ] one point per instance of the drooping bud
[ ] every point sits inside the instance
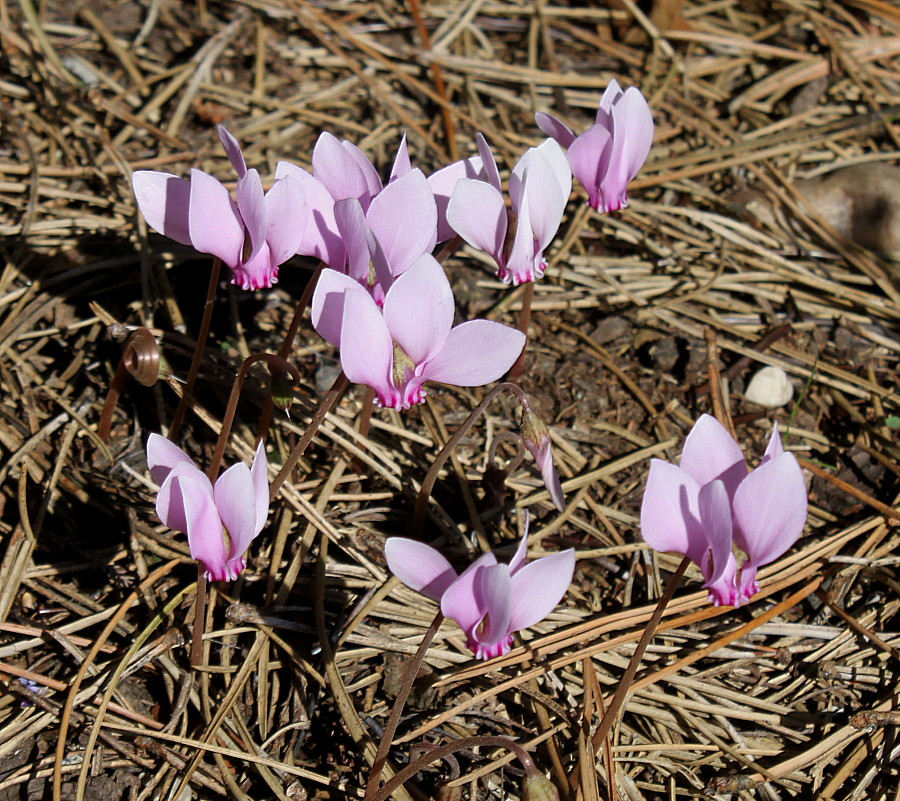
(537, 787)
(282, 391)
(536, 437)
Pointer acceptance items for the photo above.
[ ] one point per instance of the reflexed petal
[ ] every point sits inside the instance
(670, 518)
(715, 516)
(215, 224)
(442, 183)
(492, 594)
(555, 156)
(554, 128)
(170, 498)
(320, 238)
(367, 351)
(518, 559)
(610, 97)
(251, 202)
(459, 602)
(368, 172)
(770, 509)
(403, 218)
(204, 527)
(775, 447)
(633, 122)
(165, 202)
(351, 223)
(419, 566)
(478, 214)
(475, 353)
(538, 587)
(286, 219)
(710, 452)
(418, 309)
(338, 169)
(589, 157)
(401, 161)
(259, 472)
(488, 163)
(232, 150)
(327, 307)
(547, 194)
(235, 498)
(162, 456)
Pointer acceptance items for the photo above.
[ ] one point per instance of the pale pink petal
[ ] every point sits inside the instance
(770, 508)
(401, 164)
(548, 184)
(774, 448)
(165, 202)
(327, 306)
(724, 590)
(475, 353)
(170, 498)
(478, 214)
(418, 309)
(286, 218)
(204, 528)
(459, 602)
(366, 348)
(367, 170)
(351, 223)
(518, 560)
(259, 473)
(633, 122)
(715, 517)
(162, 456)
(442, 183)
(251, 202)
(525, 261)
(610, 97)
(554, 128)
(338, 170)
(403, 218)
(321, 238)
(232, 150)
(492, 594)
(710, 452)
(215, 224)
(542, 452)
(670, 518)
(537, 588)
(589, 157)
(488, 163)
(419, 566)
(257, 272)
(235, 498)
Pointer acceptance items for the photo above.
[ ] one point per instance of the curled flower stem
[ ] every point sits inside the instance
(612, 711)
(181, 410)
(140, 359)
(326, 405)
(524, 321)
(442, 751)
(273, 361)
(265, 419)
(390, 728)
(418, 521)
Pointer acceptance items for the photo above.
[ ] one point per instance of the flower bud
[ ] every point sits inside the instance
(282, 391)
(537, 440)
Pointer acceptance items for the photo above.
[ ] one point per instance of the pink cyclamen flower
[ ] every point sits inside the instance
(539, 188)
(252, 236)
(220, 521)
(395, 350)
(611, 152)
(710, 504)
(489, 601)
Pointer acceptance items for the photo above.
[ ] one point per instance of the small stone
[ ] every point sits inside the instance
(770, 388)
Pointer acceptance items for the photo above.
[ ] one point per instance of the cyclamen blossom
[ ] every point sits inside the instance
(489, 601)
(539, 188)
(709, 504)
(220, 521)
(252, 236)
(611, 152)
(395, 350)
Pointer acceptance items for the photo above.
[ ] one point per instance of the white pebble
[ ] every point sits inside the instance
(770, 388)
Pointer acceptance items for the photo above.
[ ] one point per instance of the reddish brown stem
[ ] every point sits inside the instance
(524, 321)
